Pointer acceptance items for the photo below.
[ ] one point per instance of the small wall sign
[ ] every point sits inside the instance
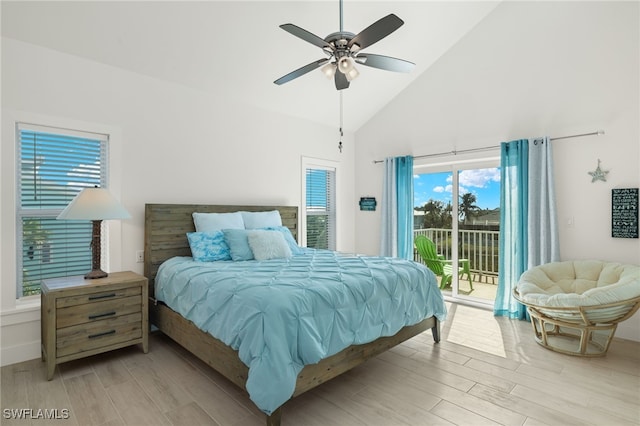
(368, 204)
(624, 213)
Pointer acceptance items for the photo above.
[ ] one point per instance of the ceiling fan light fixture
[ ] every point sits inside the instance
(352, 74)
(329, 70)
(345, 64)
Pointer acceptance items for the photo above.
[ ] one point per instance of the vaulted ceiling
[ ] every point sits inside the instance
(234, 50)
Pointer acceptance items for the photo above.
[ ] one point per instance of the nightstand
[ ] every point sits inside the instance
(83, 317)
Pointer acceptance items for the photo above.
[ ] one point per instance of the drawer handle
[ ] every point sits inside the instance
(106, 333)
(106, 314)
(102, 296)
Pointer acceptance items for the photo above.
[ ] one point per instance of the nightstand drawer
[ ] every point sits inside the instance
(86, 337)
(90, 312)
(82, 299)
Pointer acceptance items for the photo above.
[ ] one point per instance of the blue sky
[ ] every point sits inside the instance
(484, 183)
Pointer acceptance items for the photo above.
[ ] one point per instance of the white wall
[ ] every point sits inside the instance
(172, 145)
(529, 69)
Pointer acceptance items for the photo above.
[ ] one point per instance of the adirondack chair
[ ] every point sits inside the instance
(438, 264)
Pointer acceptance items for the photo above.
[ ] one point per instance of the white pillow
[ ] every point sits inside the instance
(209, 222)
(257, 220)
(268, 245)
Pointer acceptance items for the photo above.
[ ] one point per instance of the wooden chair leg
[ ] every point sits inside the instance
(466, 270)
(446, 279)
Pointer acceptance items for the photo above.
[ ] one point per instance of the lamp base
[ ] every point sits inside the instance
(96, 273)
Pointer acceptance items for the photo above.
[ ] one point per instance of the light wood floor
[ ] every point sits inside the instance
(486, 371)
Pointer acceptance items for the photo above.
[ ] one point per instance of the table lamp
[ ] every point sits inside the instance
(95, 204)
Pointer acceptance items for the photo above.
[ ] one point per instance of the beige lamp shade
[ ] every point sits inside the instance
(94, 204)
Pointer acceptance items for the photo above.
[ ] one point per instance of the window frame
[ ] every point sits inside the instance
(319, 164)
(47, 213)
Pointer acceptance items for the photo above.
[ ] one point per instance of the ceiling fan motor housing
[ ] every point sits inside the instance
(342, 52)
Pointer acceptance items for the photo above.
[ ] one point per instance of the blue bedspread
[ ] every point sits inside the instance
(284, 313)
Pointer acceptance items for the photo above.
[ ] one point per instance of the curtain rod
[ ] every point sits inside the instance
(488, 148)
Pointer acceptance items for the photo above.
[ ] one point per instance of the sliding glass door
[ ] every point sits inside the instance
(457, 208)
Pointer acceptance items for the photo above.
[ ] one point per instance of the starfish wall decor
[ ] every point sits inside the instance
(598, 174)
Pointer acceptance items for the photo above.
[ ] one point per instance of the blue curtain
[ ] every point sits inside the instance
(528, 219)
(404, 189)
(397, 208)
(514, 165)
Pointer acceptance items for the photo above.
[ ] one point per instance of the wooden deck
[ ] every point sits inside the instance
(484, 287)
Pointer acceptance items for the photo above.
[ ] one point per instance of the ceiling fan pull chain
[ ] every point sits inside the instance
(341, 124)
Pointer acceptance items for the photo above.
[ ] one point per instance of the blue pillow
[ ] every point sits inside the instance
(259, 220)
(238, 243)
(208, 246)
(209, 222)
(288, 237)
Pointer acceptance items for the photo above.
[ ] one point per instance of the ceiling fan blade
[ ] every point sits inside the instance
(301, 71)
(384, 62)
(341, 81)
(306, 36)
(376, 31)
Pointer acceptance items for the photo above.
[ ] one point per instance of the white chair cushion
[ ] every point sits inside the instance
(579, 283)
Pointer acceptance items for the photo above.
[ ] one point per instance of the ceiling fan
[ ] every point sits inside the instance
(344, 51)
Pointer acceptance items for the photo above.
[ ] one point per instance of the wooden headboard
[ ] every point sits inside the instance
(166, 227)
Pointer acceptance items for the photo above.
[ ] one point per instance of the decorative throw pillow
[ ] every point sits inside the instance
(208, 246)
(288, 237)
(257, 220)
(209, 222)
(268, 245)
(238, 244)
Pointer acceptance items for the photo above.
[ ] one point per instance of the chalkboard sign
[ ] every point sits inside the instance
(368, 204)
(624, 213)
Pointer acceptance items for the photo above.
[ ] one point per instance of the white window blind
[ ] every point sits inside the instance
(54, 166)
(321, 208)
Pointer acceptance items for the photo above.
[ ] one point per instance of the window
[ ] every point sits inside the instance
(320, 207)
(54, 165)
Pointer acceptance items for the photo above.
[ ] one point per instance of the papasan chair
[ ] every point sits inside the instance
(575, 306)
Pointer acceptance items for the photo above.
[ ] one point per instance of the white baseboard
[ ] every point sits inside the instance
(630, 329)
(20, 333)
(20, 353)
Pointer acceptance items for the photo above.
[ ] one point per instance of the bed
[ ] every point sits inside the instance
(167, 247)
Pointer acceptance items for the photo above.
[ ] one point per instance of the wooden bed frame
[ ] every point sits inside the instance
(166, 226)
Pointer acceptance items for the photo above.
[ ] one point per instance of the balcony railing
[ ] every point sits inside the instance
(480, 247)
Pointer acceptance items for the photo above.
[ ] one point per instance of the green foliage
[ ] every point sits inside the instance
(317, 232)
(34, 237)
(467, 206)
(436, 214)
